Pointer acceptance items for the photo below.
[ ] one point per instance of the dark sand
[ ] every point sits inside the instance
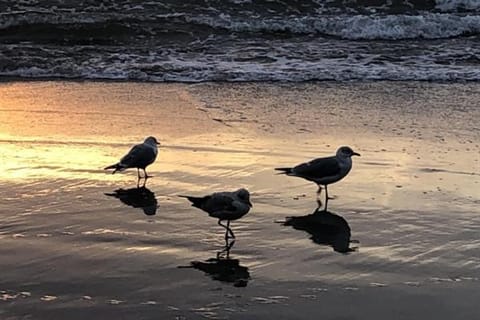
(68, 251)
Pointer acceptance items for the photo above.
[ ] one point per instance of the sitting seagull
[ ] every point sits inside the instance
(324, 171)
(224, 206)
(140, 156)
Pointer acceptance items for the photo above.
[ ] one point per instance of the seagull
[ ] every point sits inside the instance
(140, 156)
(224, 206)
(324, 171)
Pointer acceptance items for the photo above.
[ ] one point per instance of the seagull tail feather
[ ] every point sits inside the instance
(284, 170)
(196, 201)
(115, 166)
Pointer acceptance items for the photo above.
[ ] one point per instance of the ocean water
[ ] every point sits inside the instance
(241, 40)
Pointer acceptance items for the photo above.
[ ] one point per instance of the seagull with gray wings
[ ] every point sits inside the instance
(140, 156)
(324, 171)
(224, 206)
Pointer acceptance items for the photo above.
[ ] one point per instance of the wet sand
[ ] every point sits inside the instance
(72, 250)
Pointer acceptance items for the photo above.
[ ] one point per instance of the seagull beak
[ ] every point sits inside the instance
(355, 154)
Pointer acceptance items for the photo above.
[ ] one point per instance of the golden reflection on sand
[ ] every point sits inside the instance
(29, 160)
(98, 111)
(34, 160)
(73, 130)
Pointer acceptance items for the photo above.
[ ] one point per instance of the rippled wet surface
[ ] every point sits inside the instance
(78, 242)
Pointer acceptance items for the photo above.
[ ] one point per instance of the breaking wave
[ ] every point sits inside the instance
(241, 40)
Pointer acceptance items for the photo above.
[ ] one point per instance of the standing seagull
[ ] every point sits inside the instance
(140, 156)
(324, 171)
(224, 206)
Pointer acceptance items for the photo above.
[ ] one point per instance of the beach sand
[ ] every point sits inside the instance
(69, 250)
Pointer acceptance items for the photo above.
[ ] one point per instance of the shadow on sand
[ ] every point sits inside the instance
(325, 228)
(141, 198)
(223, 268)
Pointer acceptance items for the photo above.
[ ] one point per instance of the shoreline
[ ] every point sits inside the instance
(13, 79)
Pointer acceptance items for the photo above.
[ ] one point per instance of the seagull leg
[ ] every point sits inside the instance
(230, 230)
(138, 178)
(226, 229)
(146, 174)
(145, 177)
(319, 191)
(326, 198)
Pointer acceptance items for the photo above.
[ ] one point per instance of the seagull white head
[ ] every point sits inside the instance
(346, 152)
(151, 141)
(244, 196)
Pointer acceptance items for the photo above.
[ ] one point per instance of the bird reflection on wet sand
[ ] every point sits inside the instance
(140, 197)
(223, 268)
(326, 228)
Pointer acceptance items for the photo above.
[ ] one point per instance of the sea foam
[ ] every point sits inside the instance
(357, 27)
